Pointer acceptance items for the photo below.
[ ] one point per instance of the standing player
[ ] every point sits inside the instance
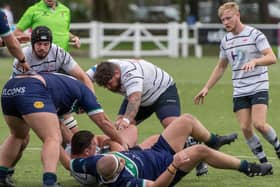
(53, 14)
(249, 53)
(36, 102)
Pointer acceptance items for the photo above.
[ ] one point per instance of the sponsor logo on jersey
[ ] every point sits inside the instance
(13, 91)
(38, 104)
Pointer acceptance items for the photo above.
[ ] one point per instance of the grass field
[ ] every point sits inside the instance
(190, 75)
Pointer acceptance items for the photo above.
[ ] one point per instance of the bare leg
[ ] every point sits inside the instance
(46, 126)
(18, 139)
(182, 127)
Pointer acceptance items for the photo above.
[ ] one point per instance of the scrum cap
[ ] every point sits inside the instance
(41, 34)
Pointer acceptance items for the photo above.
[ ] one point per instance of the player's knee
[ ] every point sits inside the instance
(200, 150)
(188, 119)
(259, 125)
(247, 131)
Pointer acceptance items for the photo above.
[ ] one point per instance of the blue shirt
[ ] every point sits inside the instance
(4, 26)
(139, 165)
(61, 95)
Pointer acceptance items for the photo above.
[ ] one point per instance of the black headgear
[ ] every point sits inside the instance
(41, 34)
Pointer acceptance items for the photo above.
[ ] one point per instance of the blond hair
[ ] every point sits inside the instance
(229, 5)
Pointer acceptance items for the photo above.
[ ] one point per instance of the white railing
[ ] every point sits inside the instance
(171, 39)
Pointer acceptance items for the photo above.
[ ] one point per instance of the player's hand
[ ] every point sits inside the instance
(75, 42)
(23, 67)
(199, 98)
(23, 38)
(180, 159)
(250, 66)
(122, 123)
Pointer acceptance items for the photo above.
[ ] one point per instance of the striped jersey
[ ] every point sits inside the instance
(56, 59)
(138, 75)
(239, 50)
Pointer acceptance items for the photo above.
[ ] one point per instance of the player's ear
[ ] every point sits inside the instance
(117, 73)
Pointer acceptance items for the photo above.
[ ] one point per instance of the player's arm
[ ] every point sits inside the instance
(134, 101)
(216, 75)
(78, 72)
(21, 36)
(133, 105)
(107, 127)
(267, 59)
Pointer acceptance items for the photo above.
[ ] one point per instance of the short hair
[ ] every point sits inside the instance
(229, 5)
(80, 141)
(104, 73)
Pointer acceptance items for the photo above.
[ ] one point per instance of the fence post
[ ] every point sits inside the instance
(137, 40)
(197, 47)
(173, 36)
(94, 40)
(278, 40)
(184, 40)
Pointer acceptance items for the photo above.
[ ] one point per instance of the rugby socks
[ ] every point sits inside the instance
(256, 147)
(3, 172)
(11, 171)
(243, 166)
(212, 140)
(49, 178)
(271, 137)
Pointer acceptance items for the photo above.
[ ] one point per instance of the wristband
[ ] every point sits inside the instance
(3, 43)
(171, 172)
(126, 120)
(22, 61)
(174, 166)
(172, 169)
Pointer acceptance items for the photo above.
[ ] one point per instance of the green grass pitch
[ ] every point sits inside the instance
(216, 113)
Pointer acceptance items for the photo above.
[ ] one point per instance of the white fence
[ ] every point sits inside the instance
(170, 39)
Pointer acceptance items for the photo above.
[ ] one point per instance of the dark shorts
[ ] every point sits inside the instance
(25, 96)
(247, 101)
(167, 105)
(166, 152)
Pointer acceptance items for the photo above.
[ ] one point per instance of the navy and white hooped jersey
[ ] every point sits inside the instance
(4, 25)
(239, 50)
(56, 60)
(61, 95)
(138, 75)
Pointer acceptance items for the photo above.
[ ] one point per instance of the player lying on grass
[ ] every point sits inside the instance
(164, 164)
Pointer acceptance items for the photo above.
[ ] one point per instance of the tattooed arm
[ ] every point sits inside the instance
(132, 108)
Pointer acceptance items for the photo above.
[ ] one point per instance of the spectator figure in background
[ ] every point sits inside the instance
(247, 50)
(54, 15)
(165, 163)
(36, 102)
(13, 45)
